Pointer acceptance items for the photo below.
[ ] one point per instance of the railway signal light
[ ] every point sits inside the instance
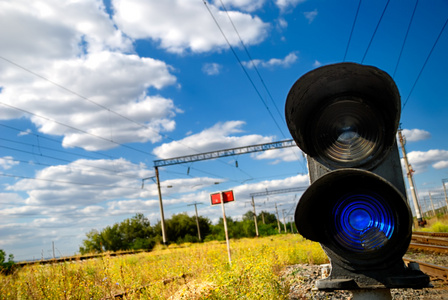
(345, 118)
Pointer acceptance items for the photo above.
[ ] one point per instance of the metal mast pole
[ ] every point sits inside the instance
(410, 178)
(432, 204)
(255, 217)
(284, 220)
(444, 189)
(197, 221)
(278, 219)
(162, 216)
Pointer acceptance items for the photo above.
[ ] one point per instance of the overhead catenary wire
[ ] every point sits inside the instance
(405, 38)
(70, 182)
(252, 62)
(74, 128)
(424, 64)
(110, 140)
(74, 165)
(376, 29)
(255, 68)
(351, 32)
(38, 136)
(243, 68)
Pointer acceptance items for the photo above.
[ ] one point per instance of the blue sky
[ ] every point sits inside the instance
(92, 92)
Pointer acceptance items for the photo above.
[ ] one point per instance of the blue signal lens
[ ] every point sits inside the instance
(362, 222)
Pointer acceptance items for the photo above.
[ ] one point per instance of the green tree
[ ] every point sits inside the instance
(182, 228)
(6, 267)
(93, 243)
(134, 233)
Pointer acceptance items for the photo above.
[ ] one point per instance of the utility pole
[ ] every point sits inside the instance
(162, 216)
(262, 217)
(197, 219)
(255, 217)
(444, 189)
(292, 230)
(432, 204)
(278, 218)
(284, 220)
(409, 172)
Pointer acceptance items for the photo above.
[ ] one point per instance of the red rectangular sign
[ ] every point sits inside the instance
(227, 196)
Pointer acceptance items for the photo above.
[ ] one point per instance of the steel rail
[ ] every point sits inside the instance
(421, 239)
(428, 247)
(434, 234)
(432, 270)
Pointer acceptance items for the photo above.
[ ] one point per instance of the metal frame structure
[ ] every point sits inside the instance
(210, 155)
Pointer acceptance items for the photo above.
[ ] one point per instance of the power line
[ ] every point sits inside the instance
(405, 38)
(252, 61)
(351, 32)
(74, 128)
(244, 69)
(74, 166)
(68, 182)
(424, 64)
(374, 33)
(54, 140)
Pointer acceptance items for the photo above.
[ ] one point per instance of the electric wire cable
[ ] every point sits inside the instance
(252, 62)
(424, 65)
(405, 39)
(243, 68)
(351, 32)
(374, 33)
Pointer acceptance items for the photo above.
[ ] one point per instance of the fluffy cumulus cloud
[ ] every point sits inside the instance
(181, 25)
(71, 71)
(421, 160)
(220, 136)
(415, 135)
(83, 182)
(285, 62)
(246, 5)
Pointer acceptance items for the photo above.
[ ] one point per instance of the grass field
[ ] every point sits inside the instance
(189, 271)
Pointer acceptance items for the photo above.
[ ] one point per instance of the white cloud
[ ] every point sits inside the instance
(278, 155)
(441, 164)
(7, 162)
(215, 138)
(83, 182)
(317, 64)
(246, 5)
(284, 5)
(55, 29)
(57, 54)
(310, 15)
(421, 160)
(286, 62)
(415, 135)
(181, 25)
(212, 69)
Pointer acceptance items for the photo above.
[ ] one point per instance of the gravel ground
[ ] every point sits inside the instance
(302, 278)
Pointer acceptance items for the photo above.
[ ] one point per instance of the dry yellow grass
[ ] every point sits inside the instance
(193, 271)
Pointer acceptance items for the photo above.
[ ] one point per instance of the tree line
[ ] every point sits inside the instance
(136, 233)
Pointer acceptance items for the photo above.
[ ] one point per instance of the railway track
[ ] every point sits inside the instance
(430, 241)
(434, 243)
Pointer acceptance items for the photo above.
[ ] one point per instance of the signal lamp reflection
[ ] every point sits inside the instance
(362, 222)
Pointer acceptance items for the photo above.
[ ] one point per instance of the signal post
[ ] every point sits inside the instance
(345, 118)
